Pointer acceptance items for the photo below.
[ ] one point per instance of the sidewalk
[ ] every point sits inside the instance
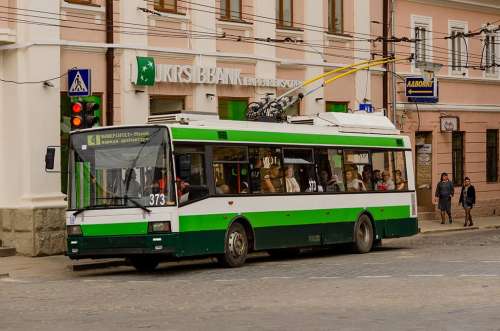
(435, 226)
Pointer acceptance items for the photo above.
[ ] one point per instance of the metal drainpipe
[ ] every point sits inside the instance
(110, 57)
(385, 33)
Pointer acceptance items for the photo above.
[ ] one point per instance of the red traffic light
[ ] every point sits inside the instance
(77, 107)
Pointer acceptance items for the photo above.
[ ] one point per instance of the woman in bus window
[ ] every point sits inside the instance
(291, 183)
(353, 184)
(387, 183)
(400, 182)
(272, 180)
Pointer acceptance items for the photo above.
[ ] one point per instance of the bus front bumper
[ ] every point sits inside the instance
(81, 247)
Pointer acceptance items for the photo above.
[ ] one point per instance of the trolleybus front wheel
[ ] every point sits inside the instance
(144, 263)
(236, 247)
(363, 234)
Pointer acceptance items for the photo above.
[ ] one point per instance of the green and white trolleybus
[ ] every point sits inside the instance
(191, 185)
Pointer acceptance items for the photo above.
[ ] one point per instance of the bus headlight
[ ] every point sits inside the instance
(74, 230)
(156, 227)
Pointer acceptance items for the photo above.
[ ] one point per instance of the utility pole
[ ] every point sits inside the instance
(385, 34)
(110, 59)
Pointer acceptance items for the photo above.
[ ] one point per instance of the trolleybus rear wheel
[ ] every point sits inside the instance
(363, 234)
(236, 247)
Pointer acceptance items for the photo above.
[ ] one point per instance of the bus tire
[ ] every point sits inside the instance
(363, 235)
(235, 247)
(144, 263)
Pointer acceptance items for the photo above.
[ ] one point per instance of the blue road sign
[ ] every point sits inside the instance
(366, 107)
(79, 81)
(417, 87)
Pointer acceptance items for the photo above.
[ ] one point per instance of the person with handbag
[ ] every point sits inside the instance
(468, 200)
(443, 195)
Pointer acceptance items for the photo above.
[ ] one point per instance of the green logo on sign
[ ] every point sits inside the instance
(145, 71)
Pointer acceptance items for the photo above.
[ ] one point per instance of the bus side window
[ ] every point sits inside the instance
(190, 173)
(383, 171)
(330, 166)
(230, 166)
(299, 172)
(265, 170)
(400, 176)
(357, 164)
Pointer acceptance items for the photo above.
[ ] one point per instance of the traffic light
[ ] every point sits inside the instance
(84, 114)
(77, 115)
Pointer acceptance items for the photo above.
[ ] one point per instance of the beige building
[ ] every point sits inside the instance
(216, 56)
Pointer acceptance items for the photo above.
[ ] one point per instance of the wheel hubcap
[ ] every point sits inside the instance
(237, 244)
(363, 233)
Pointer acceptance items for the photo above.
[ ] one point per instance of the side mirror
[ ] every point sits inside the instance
(50, 156)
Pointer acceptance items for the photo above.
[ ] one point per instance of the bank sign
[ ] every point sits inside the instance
(419, 90)
(147, 73)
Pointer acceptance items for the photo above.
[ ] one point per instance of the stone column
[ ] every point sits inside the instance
(134, 101)
(202, 93)
(31, 204)
(311, 106)
(265, 69)
(362, 26)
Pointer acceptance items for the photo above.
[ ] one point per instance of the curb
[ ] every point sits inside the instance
(97, 265)
(456, 229)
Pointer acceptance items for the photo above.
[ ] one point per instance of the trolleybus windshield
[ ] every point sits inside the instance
(117, 168)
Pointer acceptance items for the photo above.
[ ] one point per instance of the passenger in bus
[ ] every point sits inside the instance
(222, 189)
(367, 176)
(353, 184)
(377, 179)
(244, 188)
(330, 183)
(182, 190)
(273, 182)
(387, 183)
(400, 181)
(291, 183)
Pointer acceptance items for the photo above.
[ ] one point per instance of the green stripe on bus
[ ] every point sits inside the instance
(285, 138)
(287, 218)
(115, 229)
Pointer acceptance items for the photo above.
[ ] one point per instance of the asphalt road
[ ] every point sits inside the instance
(445, 281)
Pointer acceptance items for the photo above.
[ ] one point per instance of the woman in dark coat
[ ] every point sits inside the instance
(444, 193)
(468, 199)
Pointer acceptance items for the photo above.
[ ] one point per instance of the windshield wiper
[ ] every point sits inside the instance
(137, 204)
(81, 210)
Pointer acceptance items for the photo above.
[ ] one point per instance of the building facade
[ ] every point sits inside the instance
(461, 36)
(216, 56)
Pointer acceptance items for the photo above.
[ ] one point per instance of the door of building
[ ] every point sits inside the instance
(423, 170)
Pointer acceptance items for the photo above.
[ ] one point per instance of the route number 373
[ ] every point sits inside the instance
(157, 200)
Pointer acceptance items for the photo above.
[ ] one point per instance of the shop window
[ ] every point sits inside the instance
(230, 9)
(337, 107)
(400, 175)
(233, 109)
(190, 173)
(355, 162)
(299, 174)
(166, 5)
(335, 16)
(492, 156)
(231, 173)
(330, 171)
(265, 170)
(457, 154)
(284, 13)
(161, 105)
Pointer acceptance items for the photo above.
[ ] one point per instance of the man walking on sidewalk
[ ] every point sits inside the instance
(444, 193)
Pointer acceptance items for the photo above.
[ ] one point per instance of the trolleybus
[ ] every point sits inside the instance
(189, 187)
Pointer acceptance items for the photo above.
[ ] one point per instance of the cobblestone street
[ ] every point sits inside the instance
(448, 281)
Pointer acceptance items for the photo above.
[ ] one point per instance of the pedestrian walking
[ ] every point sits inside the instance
(467, 199)
(444, 193)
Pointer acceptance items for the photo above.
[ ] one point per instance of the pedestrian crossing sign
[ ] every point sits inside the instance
(79, 83)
